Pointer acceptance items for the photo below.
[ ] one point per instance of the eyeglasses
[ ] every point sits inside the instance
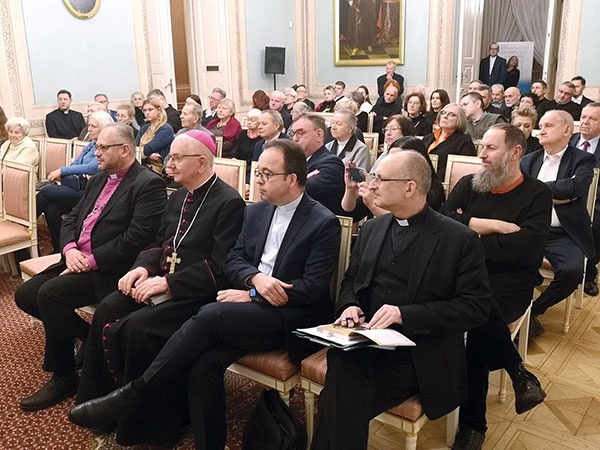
(214, 99)
(448, 113)
(391, 128)
(377, 179)
(266, 175)
(176, 158)
(300, 132)
(102, 148)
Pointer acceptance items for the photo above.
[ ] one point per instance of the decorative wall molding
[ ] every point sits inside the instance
(10, 59)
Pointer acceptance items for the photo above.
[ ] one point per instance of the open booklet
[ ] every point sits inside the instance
(349, 338)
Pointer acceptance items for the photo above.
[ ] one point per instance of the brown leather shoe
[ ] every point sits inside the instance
(53, 392)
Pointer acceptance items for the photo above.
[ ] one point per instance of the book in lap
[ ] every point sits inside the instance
(349, 338)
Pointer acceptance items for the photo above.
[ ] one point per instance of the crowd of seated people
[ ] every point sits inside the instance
(333, 144)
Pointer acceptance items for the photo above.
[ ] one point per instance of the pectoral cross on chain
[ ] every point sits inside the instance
(173, 260)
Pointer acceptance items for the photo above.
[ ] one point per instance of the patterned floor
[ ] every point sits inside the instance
(568, 366)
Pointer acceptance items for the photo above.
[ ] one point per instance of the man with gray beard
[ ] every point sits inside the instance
(510, 211)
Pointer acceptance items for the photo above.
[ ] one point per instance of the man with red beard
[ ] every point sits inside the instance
(510, 211)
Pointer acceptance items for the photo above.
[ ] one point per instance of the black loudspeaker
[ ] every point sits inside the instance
(275, 60)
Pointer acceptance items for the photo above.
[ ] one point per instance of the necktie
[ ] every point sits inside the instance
(586, 146)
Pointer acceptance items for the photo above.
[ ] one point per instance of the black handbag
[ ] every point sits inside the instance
(273, 426)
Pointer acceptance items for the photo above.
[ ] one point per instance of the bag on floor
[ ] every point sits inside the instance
(273, 426)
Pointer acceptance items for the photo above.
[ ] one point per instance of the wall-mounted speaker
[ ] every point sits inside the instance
(275, 60)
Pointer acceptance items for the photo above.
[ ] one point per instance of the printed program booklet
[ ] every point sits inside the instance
(349, 338)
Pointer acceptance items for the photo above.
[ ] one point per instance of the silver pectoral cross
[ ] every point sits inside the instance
(173, 260)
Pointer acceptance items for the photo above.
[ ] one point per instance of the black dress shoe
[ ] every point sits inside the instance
(101, 412)
(468, 438)
(535, 327)
(590, 288)
(528, 390)
(54, 391)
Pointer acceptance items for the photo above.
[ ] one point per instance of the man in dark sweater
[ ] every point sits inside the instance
(62, 122)
(510, 212)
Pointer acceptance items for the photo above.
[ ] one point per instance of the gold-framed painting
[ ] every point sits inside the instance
(82, 9)
(368, 32)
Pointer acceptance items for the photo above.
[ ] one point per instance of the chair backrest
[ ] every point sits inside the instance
(478, 145)
(372, 143)
(56, 154)
(77, 148)
(254, 195)
(370, 123)
(232, 172)
(434, 160)
(219, 141)
(457, 167)
(344, 257)
(139, 153)
(18, 191)
(592, 193)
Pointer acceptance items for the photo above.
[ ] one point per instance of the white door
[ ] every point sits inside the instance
(469, 43)
(161, 48)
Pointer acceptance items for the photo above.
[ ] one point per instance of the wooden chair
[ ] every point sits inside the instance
(139, 153)
(408, 416)
(254, 195)
(56, 153)
(274, 369)
(434, 160)
(370, 123)
(77, 147)
(519, 327)
(232, 172)
(219, 142)
(457, 167)
(547, 271)
(18, 224)
(478, 145)
(372, 143)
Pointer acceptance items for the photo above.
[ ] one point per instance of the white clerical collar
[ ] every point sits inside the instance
(402, 222)
(291, 206)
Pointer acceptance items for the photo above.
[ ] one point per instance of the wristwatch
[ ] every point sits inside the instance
(253, 295)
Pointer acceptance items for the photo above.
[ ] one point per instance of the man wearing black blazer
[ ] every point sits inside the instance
(325, 181)
(418, 272)
(492, 68)
(117, 216)
(279, 271)
(588, 140)
(390, 74)
(568, 172)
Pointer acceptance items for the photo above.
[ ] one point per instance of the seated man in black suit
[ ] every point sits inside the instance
(390, 74)
(117, 216)
(63, 122)
(184, 262)
(279, 271)
(325, 181)
(510, 212)
(588, 140)
(579, 83)
(568, 172)
(563, 101)
(416, 271)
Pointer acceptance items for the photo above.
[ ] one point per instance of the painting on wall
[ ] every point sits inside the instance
(369, 32)
(83, 9)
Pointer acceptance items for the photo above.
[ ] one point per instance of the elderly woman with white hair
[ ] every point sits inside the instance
(19, 147)
(226, 125)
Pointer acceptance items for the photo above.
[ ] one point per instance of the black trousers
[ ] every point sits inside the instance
(567, 259)
(591, 269)
(360, 384)
(202, 349)
(53, 299)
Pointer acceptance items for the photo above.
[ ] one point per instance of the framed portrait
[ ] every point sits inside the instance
(368, 32)
(82, 9)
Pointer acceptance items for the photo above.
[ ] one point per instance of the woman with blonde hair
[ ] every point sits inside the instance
(156, 135)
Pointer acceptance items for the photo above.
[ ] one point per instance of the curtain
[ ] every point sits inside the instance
(514, 21)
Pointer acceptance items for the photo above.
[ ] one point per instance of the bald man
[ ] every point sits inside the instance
(183, 268)
(568, 172)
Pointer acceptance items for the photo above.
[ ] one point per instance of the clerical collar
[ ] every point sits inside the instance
(291, 206)
(417, 219)
(119, 174)
(199, 188)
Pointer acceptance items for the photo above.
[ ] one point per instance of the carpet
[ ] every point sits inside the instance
(21, 355)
